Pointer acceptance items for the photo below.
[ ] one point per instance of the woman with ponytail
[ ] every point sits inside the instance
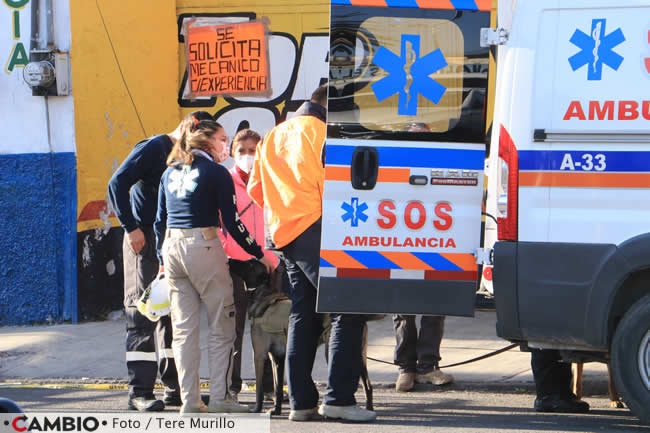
(194, 192)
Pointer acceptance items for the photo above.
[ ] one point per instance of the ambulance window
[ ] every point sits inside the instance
(407, 74)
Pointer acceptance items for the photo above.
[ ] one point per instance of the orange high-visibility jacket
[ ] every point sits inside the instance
(288, 174)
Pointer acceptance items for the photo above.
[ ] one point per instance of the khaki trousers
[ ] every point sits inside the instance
(197, 272)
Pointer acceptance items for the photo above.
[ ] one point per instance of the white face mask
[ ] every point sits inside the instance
(224, 154)
(245, 162)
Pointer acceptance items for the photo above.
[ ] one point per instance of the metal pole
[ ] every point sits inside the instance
(42, 38)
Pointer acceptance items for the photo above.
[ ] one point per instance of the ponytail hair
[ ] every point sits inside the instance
(196, 132)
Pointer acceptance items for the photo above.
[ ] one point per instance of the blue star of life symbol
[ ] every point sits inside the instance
(354, 211)
(596, 49)
(408, 75)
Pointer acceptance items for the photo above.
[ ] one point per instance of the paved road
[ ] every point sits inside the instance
(450, 409)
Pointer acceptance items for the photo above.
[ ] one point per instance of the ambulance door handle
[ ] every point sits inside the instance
(364, 168)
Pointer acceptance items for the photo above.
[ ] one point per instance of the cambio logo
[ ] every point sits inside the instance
(60, 423)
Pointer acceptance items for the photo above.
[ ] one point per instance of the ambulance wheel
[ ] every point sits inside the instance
(631, 359)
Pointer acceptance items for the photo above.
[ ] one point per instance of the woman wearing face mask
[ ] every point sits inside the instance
(194, 192)
(244, 146)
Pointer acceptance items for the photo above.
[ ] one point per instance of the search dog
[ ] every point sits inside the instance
(268, 312)
(615, 400)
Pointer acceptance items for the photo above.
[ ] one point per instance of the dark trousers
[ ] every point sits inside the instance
(241, 311)
(552, 377)
(301, 259)
(141, 333)
(415, 353)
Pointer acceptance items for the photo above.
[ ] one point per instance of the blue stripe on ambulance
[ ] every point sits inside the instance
(465, 4)
(325, 264)
(610, 161)
(372, 259)
(402, 3)
(437, 262)
(412, 157)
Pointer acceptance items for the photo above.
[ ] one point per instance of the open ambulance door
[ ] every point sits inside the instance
(404, 158)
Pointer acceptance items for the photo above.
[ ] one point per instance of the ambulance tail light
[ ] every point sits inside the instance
(508, 195)
(502, 199)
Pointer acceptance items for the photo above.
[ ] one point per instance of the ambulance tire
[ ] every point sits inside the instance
(630, 356)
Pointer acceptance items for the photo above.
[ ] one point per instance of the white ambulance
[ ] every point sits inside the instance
(569, 170)
(405, 156)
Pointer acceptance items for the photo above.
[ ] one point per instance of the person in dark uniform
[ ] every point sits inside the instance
(553, 383)
(133, 194)
(194, 193)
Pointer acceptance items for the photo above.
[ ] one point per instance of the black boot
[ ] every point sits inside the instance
(561, 404)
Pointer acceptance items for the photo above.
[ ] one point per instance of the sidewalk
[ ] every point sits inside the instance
(96, 351)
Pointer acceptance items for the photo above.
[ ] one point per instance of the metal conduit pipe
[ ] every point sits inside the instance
(42, 34)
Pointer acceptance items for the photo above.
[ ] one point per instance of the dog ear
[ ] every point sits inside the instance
(251, 271)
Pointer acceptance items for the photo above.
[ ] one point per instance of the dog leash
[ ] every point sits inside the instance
(469, 361)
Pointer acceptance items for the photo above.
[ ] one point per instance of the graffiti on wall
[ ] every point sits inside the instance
(18, 57)
(297, 69)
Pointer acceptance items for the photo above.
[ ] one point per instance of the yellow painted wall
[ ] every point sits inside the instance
(127, 67)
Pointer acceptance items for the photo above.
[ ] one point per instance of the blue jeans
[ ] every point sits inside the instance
(302, 261)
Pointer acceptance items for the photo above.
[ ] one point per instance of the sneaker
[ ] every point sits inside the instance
(145, 403)
(303, 414)
(348, 413)
(201, 408)
(234, 396)
(172, 399)
(436, 377)
(405, 382)
(227, 405)
(558, 404)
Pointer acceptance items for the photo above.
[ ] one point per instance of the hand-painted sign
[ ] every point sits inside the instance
(228, 59)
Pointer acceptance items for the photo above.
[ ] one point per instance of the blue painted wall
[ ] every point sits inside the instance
(38, 238)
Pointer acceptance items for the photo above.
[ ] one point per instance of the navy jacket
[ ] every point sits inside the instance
(140, 173)
(194, 196)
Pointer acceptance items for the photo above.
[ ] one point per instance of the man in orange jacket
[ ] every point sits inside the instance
(287, 181)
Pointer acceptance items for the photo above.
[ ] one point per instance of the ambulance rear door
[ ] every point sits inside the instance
(404, 157)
